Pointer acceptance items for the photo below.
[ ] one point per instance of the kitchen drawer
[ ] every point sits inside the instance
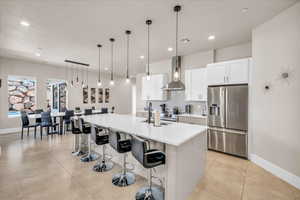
(192, 120)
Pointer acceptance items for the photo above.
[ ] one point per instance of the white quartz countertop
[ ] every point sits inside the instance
(173, 134)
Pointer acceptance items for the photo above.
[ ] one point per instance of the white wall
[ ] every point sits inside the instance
(191, 61)
(120, 93)
(275, 114)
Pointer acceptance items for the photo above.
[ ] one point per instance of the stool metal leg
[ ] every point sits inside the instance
(91, 155)
(77, 142)
(103, 165)
(124, 178)
(150, 192)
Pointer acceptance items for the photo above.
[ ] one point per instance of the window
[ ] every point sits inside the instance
(21, 95)
(57, 95)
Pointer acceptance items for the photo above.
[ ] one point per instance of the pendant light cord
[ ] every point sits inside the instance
(111, 59)
(127, 71)
(87, 77)
(99, 79)
(148, 22)
(176, 42)
(148, 50)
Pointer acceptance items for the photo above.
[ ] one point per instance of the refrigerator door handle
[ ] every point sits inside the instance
(226, 107)
(223, 105)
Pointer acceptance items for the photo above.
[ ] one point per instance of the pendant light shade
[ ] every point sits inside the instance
(87, 78)
(99, 83)
(148, 22)
(112, 40)
(127, 57)
(72, 75)
(82, 78)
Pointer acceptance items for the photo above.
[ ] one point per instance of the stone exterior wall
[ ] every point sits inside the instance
(21, 95)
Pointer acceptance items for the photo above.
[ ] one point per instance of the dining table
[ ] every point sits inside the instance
(60, 115)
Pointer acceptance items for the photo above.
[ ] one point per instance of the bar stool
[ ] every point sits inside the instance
(77, 142)
(104, 110)
(101, 140)
(88, 112)
(85, 128)
(123, 146)
(149, 158)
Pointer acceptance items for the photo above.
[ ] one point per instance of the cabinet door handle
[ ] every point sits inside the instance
(227, 79)
(224, 79)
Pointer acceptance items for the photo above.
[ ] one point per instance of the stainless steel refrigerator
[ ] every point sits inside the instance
(228, 119)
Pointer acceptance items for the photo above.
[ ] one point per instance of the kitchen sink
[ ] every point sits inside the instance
(161, 123)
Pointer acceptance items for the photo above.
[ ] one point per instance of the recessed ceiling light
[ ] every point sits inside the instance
(37, 54)
(142, 57)
(106, 68)
(25, 23)
(170, 49)
(185, 40)
(245, 10)
(211, 37)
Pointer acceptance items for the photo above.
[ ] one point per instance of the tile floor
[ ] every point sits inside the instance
(33, 169)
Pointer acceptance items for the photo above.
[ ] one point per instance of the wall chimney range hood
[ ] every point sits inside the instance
(175, 84)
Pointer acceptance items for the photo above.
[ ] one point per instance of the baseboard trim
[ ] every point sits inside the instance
(276, 170)
(9, 130)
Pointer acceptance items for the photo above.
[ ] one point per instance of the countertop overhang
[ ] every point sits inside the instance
(174, 133)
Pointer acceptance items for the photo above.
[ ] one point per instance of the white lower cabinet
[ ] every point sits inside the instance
(195, 85)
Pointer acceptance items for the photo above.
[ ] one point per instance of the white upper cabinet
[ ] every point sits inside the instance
(238, 71)
(230, 72)
(195, 85)
(216, 74)
(152, 89)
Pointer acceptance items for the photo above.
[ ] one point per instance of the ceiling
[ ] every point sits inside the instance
(72, 28)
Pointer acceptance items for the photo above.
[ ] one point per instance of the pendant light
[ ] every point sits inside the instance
(77, 77)
(67, 74)
(148, 22)
(177, 9)
(111, 62)
(72, 74)
(99, 78)
(82, 75)
(87, 78)
(176, 84)
(127, 60)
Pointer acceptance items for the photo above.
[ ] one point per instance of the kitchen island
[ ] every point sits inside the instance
(185, 146)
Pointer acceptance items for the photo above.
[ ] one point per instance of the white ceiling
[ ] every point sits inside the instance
(72, 28)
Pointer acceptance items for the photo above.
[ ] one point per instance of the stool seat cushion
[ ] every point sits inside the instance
(154, 158)
(87, 130)
(102, 139)
(76, 131)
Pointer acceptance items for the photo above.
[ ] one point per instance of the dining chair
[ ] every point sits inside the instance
(49, 124)
(67, 119)
(26, 124)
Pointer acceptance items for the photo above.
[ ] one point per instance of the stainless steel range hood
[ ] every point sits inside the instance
(175, 84)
